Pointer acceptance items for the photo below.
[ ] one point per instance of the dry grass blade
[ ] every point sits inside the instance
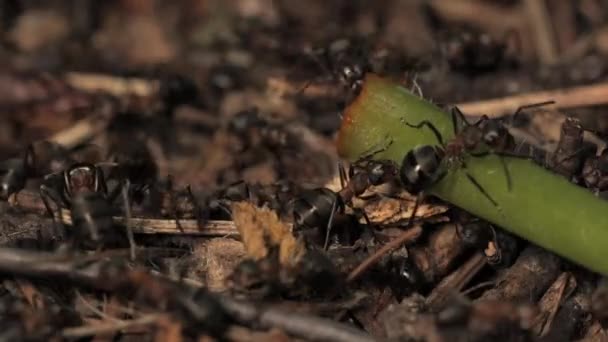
(580, 96)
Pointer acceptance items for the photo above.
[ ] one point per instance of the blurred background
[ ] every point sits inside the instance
(200, 62)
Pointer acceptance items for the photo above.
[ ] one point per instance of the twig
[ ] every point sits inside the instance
(455, 282)
(80, 132)
(544, 39)
(581, 96)
(95, 310)
(405, 237)
(109, 327)
(30, 201)
(116, 86)
(306, 326)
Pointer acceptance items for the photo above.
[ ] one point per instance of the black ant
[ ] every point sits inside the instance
(499, 247)
(250, 125)
(472, 52)
(82, 189)
(346, 60)
(317, 207)
(38, 159)
(472, 139)
(14, 173)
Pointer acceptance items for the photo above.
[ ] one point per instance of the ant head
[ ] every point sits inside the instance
(475, 233)
(82, 178)
(420, 168)
(493, 131)
(471, 135)
(379, 172)
(352, 75)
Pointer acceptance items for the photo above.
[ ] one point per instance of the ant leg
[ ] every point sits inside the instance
(480, 188)
(417, 203)
(369, 154)
(429, 125)
(342, 174)
(483, 118)
(502, 162)
(47, 194)
(173, 204)
(457, 114)
(197, 206)
(334, 208)
(505, 168)
(127, 205)
(368, 235)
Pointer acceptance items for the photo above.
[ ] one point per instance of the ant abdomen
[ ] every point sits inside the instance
(420, 168)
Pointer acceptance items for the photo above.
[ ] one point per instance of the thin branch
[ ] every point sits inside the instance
(82, 131)
(455, 282)
(109, 327)
(30, 201)
(117, 86)
(581, 96)
(405, 237)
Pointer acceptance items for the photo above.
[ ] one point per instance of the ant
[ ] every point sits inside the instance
(472, 52)
(82, 189)
(478, 139)
(345, 60)
(317, 207)
(499, 247)
(14, 173)
(38, 159)
(273, 196)
(258, 131)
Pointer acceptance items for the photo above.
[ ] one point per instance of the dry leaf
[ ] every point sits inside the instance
(261, 229)
(389, 210)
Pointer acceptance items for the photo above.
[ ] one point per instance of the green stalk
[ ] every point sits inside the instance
(541, 206)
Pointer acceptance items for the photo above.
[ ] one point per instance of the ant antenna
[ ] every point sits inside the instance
(370, 153)
(520, 109)
(429, 125)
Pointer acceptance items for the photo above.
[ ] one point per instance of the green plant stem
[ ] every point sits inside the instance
(541, 206)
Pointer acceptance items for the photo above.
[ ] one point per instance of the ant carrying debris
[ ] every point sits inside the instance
(499, 247)
(276, 196)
